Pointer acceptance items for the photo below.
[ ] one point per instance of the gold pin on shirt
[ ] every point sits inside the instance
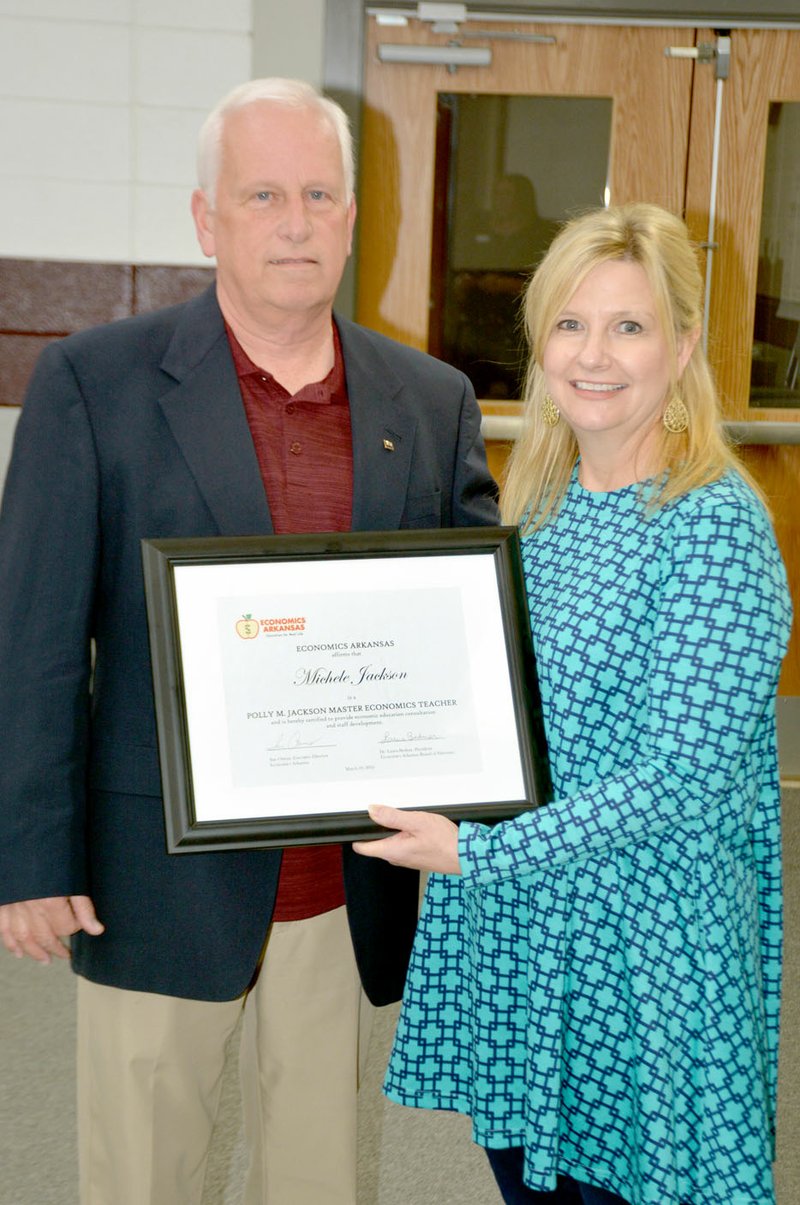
(388, 445)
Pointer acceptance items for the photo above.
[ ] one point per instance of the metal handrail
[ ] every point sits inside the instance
(763, 433)
(507, 427)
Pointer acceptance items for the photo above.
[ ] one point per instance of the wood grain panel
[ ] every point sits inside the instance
(778, 471)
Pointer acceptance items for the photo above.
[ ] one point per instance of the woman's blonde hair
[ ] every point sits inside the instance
(541, 463)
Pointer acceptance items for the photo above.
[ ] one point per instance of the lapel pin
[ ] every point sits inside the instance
(388, 445)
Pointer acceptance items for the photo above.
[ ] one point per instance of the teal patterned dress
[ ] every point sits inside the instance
(601, 984)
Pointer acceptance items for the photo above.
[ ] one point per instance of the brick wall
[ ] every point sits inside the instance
(42, 300)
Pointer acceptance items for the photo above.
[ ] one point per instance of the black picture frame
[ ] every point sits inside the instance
(185, 588)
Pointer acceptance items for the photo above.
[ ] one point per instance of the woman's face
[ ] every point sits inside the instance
(607, 362)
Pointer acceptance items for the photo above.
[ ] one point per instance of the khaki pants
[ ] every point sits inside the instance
(150, 1071)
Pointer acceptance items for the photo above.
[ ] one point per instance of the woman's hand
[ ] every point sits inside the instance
(424, 841)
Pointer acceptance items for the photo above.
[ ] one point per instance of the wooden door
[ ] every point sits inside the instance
(753, 298)
(648, 95)
(661, 148)
(650, 103)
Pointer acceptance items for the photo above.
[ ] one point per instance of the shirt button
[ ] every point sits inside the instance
(295, 448)
(290, 409)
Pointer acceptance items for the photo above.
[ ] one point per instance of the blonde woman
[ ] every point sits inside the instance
(597, 981)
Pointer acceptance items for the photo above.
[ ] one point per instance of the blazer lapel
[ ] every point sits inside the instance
(206, 417)
(383, 433)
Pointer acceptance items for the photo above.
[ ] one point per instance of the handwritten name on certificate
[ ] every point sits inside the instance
(347, 686)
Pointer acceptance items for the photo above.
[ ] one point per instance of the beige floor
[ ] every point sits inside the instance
(408, 1157)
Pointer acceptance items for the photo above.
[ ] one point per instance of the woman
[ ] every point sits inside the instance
(596, 982)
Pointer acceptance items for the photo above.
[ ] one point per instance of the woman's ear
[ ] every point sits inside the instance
(686, 345)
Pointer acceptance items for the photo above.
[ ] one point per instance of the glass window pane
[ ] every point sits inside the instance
(775, 379)
(509, 169)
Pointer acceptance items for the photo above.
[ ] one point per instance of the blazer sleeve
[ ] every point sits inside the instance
(49, 541)
(474, 489)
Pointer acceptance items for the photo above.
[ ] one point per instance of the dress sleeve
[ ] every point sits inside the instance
(765, 839)
(720, 634)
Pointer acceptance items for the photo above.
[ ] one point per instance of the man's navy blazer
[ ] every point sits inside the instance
(137, 430)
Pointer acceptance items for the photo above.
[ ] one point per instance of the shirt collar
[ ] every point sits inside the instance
(329, 390)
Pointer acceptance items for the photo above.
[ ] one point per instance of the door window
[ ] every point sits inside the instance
(775, 374)
(505, 178)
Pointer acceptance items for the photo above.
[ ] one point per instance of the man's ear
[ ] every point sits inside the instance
(351, 221)
(203, 216)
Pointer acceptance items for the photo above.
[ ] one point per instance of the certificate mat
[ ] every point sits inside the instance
(300, 678)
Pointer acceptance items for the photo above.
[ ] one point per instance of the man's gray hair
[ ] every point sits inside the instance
(293, 93)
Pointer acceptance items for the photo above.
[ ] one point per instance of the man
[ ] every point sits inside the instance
(244, 411)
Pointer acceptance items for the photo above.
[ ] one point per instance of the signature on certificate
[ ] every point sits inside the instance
(404, 738)
(293, 740)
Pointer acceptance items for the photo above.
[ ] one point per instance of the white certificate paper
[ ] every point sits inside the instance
(347, 687)
(324, 686)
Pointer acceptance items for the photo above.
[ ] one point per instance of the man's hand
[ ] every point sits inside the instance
(424, 840)
(36, 927)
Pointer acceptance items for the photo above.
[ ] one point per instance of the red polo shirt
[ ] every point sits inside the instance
(305, 454)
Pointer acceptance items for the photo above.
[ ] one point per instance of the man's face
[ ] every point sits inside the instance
(281, 227)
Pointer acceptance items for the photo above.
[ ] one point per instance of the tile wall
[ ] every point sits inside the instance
(100, 103)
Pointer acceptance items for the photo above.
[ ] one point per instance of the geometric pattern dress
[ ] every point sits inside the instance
(601, 983)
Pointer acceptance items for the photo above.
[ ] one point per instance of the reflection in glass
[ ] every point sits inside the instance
(509, 169)
(775, 374)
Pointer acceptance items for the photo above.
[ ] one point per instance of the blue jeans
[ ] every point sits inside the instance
(507, 1168)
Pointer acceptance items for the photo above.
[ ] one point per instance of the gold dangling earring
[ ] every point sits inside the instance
(550, 411)
(676, 417)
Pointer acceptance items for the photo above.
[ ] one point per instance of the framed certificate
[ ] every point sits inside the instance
(300, 678)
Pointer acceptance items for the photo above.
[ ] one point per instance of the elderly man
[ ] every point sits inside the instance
(248, 410)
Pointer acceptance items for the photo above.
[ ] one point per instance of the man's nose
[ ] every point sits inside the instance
(295, 222)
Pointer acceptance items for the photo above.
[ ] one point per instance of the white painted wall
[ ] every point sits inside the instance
(100, 104)
(289, 39)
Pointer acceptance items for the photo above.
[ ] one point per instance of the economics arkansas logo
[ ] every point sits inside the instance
(248, 628)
